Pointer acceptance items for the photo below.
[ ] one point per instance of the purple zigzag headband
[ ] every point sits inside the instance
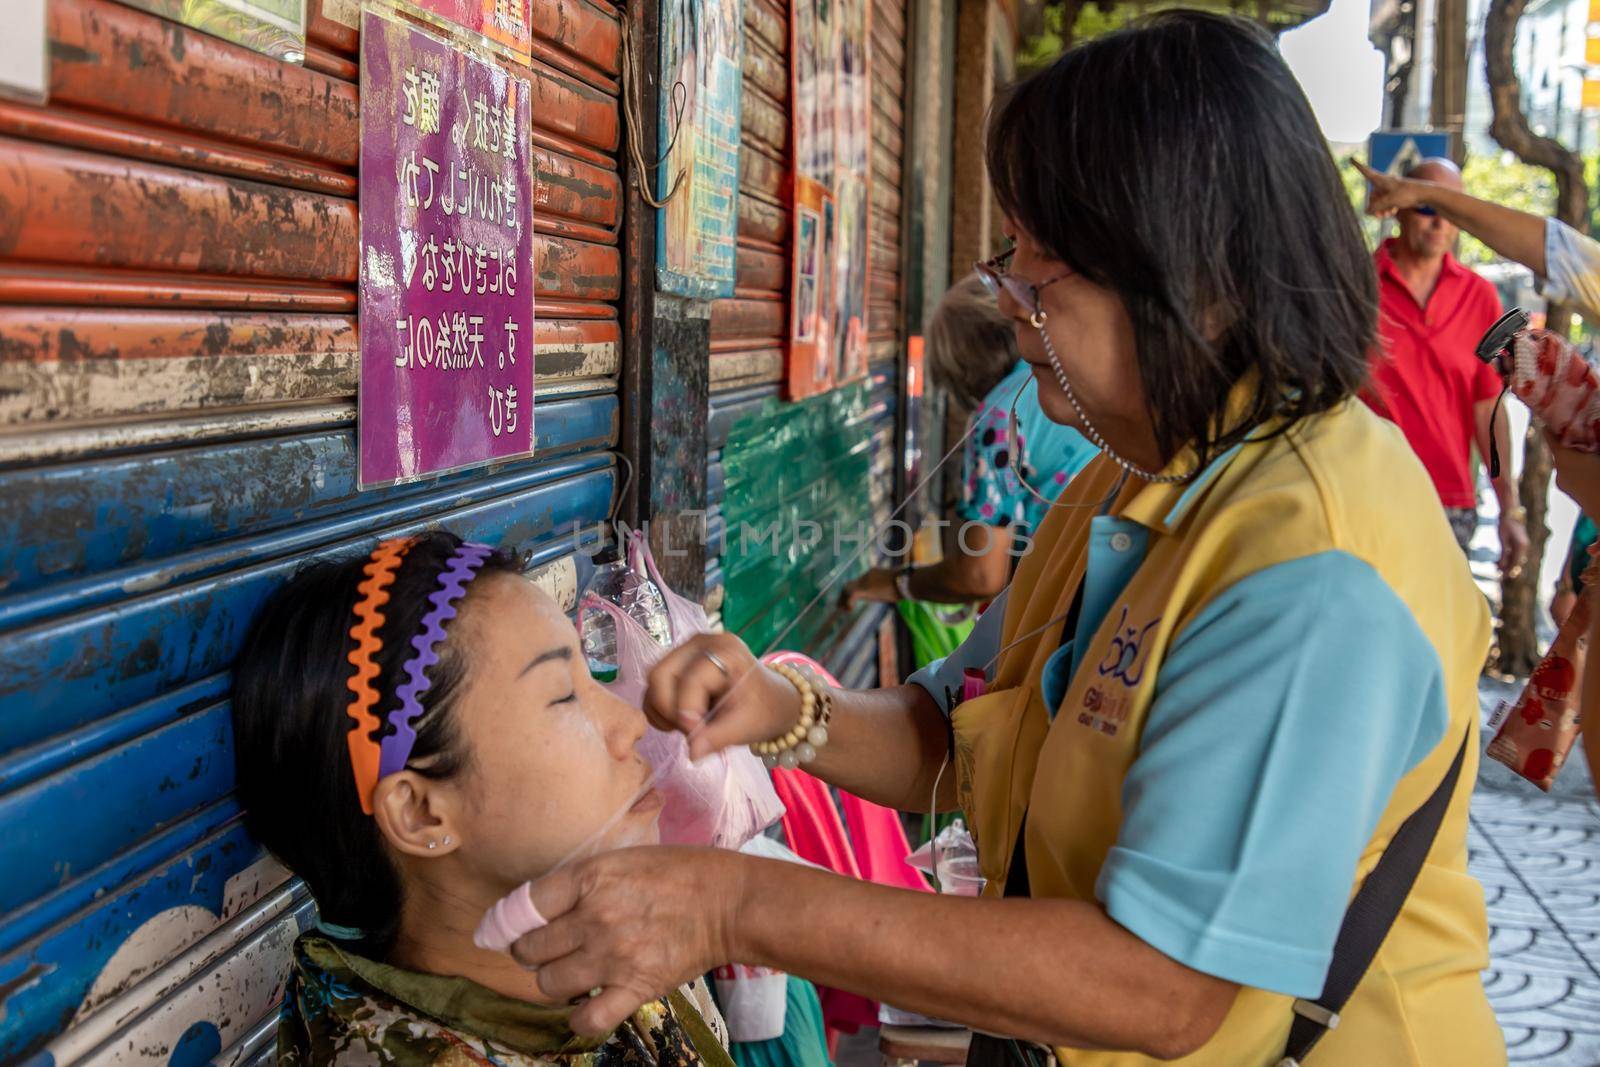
(462, 568)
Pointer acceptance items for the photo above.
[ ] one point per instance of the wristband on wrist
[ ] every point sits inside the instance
(810, 733)
(902, 582)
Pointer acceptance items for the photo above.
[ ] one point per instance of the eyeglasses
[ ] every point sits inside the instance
(996, 276)
(1425, 211)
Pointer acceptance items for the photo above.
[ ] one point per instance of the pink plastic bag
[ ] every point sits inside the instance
(725, 799)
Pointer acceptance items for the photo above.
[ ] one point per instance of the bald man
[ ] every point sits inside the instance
(1426, 379)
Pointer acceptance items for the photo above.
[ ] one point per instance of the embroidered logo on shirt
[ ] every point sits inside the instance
(1104, 712)
(1126, 658)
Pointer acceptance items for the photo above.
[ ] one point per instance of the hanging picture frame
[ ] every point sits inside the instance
(697, 232)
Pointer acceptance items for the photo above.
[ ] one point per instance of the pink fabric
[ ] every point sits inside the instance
(880, 844)
(816, 833)
(811, 823)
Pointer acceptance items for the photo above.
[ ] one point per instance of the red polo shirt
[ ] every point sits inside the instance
(1425, 378)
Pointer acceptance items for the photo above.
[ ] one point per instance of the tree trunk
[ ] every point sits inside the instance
(1518, 646)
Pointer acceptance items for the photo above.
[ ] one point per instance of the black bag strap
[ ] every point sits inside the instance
(1370, 915)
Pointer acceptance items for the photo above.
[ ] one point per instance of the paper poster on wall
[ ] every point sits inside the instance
(811, 278)
(702, 58)
(274, 27)
(832, 91)
(25, 54)
(447, 309)
(813, 78)
(810, 366)
(852, 189)
(506, 22)
(916, 379)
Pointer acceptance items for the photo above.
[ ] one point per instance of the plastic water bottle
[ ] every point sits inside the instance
(635, 594)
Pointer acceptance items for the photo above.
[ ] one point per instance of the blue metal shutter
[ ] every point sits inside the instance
(177, 376)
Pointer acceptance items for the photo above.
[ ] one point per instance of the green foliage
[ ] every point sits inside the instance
(1591, 178)
(1503, 179)
(1093, 20)
(1045, 45)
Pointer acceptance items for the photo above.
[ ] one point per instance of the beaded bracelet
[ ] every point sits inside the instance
(800, 744)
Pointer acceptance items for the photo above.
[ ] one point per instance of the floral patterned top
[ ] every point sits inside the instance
(1048, 454)
(341, 1008)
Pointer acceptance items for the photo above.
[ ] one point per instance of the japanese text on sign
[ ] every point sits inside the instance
(447, 258)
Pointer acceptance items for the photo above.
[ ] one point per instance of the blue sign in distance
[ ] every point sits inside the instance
(1397, 151)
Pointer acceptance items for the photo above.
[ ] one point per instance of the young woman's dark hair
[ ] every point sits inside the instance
(1178, 164)
(290, 728)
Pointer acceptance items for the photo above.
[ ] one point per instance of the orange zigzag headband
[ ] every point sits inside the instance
(364, 750)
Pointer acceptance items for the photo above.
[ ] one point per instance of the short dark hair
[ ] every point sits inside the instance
(290, 727)
(1178, 164)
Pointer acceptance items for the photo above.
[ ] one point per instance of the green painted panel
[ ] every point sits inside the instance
(797, 503)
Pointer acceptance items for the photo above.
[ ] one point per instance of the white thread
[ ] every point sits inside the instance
(595, 838)
(655, 775)
(1020, 456)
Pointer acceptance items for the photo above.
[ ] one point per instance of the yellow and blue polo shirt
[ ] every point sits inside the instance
(1272, 667)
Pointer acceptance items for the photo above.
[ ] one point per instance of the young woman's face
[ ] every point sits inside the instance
(551, 754)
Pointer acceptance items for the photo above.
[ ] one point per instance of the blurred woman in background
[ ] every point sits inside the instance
(1006, 483)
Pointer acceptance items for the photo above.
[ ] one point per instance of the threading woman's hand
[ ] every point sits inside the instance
(634, 924)
(713, 689)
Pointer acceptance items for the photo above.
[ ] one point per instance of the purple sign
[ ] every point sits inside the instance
(446, 258)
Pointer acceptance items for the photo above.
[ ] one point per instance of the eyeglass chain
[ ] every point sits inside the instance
(1038, 320)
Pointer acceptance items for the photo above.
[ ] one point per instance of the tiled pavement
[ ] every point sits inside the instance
(1538, 858)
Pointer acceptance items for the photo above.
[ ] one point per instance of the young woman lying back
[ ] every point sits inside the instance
(417, 733)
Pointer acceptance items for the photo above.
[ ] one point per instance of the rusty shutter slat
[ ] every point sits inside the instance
(748, 329)
(129, 63)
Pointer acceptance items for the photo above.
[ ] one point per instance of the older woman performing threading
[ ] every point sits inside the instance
(1235, 677)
